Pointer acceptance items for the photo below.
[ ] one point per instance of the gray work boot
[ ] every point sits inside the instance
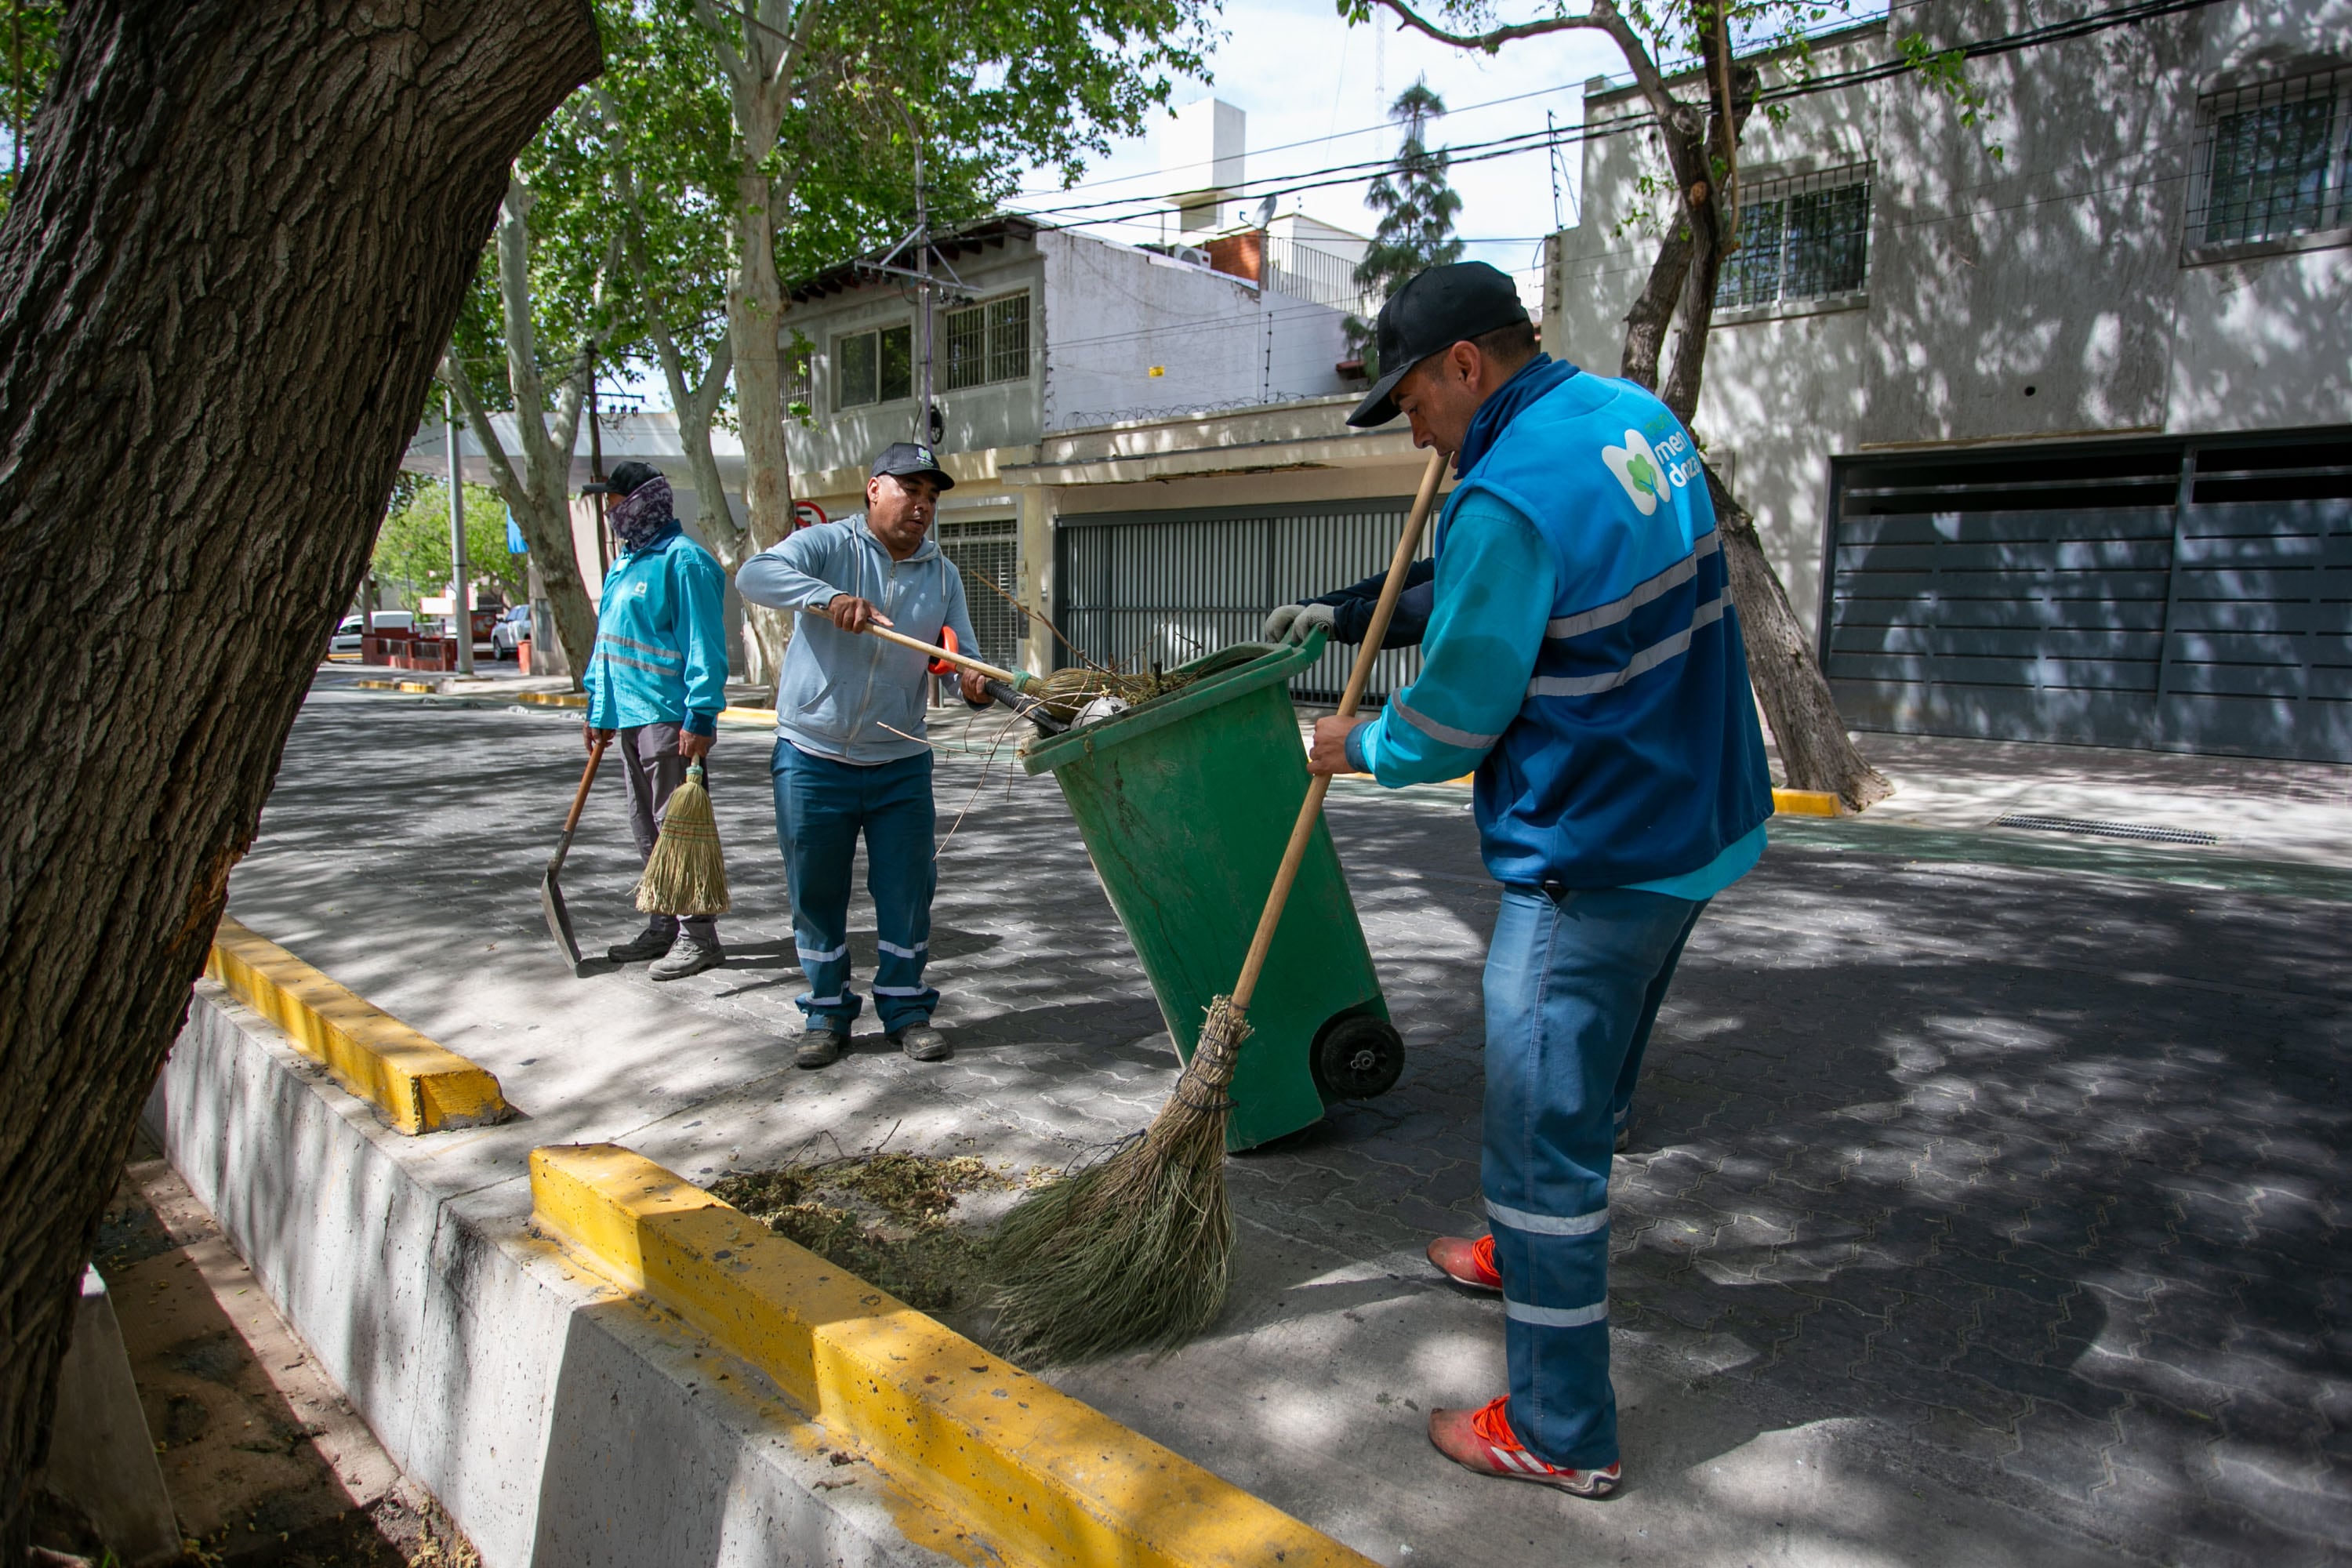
(821, 1043)
(687, 957)
(650, 943)
(923, 1043)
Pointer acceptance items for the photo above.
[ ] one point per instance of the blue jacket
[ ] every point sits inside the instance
(1628, 754)
(845, 695)
(661, 639)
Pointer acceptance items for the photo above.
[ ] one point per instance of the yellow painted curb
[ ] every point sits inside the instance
(420, 1086)
(748, 715)
(553, 699)
(1807, 803)
(1043, 1477)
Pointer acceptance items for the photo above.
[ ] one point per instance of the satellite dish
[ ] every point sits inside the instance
(1265, 212)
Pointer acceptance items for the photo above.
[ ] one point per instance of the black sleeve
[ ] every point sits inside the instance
(1352, 606)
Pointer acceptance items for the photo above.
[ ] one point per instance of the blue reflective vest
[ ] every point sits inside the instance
(1635, 755)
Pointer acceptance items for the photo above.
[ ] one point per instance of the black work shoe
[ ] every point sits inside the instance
(821, 1043)
(1625, 1138)
(651, 943)
(923, 1043)
(688, 957)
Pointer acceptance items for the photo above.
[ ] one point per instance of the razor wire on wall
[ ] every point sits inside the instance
(1160, 588)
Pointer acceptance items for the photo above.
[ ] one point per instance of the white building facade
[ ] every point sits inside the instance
(2054, 445)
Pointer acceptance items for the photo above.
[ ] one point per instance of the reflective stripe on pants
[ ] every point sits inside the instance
(821, 806)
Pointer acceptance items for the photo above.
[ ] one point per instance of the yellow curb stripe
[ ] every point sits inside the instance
(748, 715)
(553, 699)
(419, 1086)
(1043, 1477)
(1807, 803)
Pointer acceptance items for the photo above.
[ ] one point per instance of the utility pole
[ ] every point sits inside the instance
(460, 601)
(927, 430)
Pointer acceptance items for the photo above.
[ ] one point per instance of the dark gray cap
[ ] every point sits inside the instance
(1434, 311)
(626, 478)
(907, 458)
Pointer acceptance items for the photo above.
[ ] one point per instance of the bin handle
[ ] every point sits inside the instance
(1295, 852)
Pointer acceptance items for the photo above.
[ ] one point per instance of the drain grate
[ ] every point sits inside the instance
(2108, 830)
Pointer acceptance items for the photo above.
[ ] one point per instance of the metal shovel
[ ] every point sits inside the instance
(551, 896)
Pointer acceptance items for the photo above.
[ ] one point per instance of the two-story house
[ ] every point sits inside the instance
(2055, 443)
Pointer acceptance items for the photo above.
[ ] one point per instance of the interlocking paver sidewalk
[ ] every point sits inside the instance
(1983, 1207)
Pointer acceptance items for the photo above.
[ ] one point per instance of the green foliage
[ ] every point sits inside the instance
(1417, 207)
(28, 63)
(412, 550)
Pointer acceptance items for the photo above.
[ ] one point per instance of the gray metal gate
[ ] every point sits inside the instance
(2163, 595)
(986, 551)
(1156, 588)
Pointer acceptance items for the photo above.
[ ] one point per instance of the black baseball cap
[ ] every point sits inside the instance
(907, 458)
(1434, 311)
(626, 476)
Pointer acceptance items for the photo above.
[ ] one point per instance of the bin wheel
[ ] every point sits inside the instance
(1356, 1057)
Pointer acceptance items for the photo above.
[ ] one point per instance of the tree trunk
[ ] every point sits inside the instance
(239, 247)
(755, 304)
(1816, 752)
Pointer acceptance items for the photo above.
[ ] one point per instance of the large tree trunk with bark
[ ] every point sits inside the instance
(236, 254)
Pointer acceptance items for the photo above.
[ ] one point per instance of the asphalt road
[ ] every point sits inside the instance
(1983, 1207)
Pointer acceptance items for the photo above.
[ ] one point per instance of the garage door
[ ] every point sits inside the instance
(2179, 597)
(1146, 589)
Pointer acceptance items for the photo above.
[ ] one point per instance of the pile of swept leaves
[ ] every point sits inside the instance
(887, 1218)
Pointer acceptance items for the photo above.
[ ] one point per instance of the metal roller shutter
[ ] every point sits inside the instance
(2171, 595)
(1156, 588)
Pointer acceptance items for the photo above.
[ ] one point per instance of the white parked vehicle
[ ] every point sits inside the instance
(347, 635)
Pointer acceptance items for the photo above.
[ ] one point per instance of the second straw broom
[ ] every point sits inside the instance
(1136, 1250)
(685, 875)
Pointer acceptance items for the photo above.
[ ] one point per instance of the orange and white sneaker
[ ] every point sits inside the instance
(1482, 1440)
(1465, 1262)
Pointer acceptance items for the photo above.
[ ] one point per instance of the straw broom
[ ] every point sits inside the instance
(686, 874)
(1136, 1249)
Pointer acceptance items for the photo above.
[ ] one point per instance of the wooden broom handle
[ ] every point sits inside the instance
(1295, 853)
(962, 661)
(587, 778)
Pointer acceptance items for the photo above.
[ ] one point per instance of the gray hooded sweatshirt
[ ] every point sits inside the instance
(838, 690)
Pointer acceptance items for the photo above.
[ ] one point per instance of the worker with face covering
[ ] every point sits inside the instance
(655, 683)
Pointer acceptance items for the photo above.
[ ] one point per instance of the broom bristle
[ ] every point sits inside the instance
(686, 875)
(1136, 1249)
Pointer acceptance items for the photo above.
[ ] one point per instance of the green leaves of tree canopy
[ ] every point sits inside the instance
(1417, 207)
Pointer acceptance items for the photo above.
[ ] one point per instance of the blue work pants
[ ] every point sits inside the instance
(821, 806)
(1573, 985)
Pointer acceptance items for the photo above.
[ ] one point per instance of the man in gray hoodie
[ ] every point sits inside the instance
(850, 754)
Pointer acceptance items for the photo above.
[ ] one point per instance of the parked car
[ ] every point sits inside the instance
(346, 638)
(513, 627)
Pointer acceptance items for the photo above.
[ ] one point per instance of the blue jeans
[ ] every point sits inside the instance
(822, 805)
(1572, 987)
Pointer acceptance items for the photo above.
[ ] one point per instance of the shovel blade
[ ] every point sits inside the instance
(558, 919)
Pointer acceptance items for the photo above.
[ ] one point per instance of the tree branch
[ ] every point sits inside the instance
(453, 375)
(707, 14)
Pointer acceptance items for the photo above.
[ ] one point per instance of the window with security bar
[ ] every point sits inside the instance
(2272, 160)
(1800, 239)
(986, 342)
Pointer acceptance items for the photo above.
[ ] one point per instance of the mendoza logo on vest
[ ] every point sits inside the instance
(1646, 471)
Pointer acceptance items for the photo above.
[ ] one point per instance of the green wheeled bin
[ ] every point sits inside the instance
(1185, 804)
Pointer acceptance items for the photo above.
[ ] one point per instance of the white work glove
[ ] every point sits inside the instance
(1308, 618)
(1277, 622)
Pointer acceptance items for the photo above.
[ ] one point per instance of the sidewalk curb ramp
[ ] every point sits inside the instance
(592, 1363)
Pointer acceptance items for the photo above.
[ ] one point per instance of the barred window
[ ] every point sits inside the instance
(1800, 239)
(987, 343)
(2272, 160)
(874, 367)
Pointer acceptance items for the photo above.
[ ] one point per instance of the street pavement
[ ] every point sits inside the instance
(1983, 1205)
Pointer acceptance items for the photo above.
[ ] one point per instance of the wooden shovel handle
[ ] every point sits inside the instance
(1295, 852)
(587, 778)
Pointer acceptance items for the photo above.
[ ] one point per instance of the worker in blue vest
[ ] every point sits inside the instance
(656, 682)
(1582, 657)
